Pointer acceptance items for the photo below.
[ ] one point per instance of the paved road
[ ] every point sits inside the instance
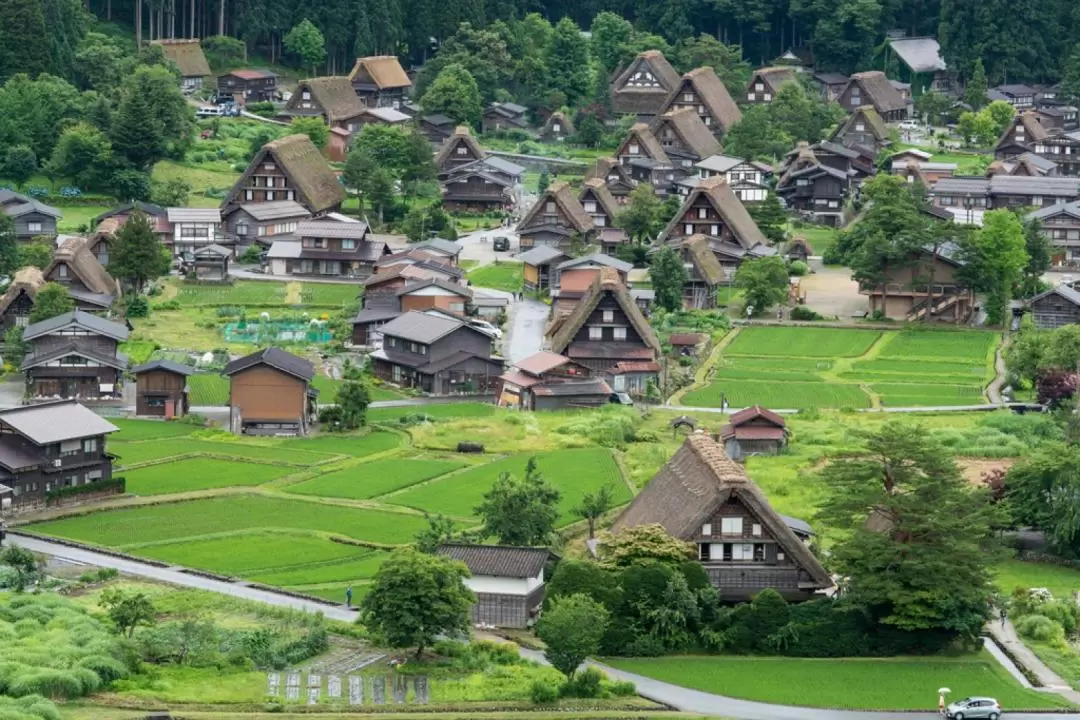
(528, 318)
(478, 245)
(674, 696)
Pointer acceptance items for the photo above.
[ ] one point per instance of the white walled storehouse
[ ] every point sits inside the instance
(508, 581)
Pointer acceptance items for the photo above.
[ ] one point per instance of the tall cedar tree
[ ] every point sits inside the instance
(568, 62)
(520, 511)
(417, 598)
(52, 299)
(137, 256)
(668, 275)
(152, 119)
(353, 399)
(975, 89)
(24, 46)
(764, 283)
(1070, 81)
(920, 554)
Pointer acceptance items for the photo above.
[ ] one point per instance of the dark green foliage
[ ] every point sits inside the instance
(572, 628)
(24, 563)
(755, 137)
(593, 505)
(23, 35)
(15, 348)
(9, 247)
(20, 164)
(128, 610)
(83, 153)
(353, 399)
(314, 128)
(118, 484)
(764, 283)
(1041, 489)
(137, 306)
(223, 52)
(454, 93)
(173, 192)
(52, 299)
(307, 43)
(37, 253)
(520, 511)
(153, 120)
(575, 576)
(440, 529)
(770, 218)
(668, 276)
(568, 61)
(137, 257)
(1070, 82)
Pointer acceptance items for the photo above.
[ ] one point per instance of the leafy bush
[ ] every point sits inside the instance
(544, 691)
(167, 305)
(611, 426)
(798, 268)
(229, 311)
(1041, 628)
(801, 312)
(137, 306)
(251, 255)
(622, 688)
(587, 683)
(25, 708)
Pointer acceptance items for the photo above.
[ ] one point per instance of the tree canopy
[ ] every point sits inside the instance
(520, 511)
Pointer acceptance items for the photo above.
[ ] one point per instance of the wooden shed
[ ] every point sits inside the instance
(161, 389)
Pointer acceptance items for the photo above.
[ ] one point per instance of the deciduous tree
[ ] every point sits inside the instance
(1042, 491)
(764, 282)
(567, 61)
(353, 399)
(417, 598)
(572, 628)
(128, 610)
(994, 260)
(755, 137)
(314, 127)
(520, 511)
(639, 217)
(83, 154)
(641, 545)
(919, 552)
(20, 164)
(306, 42)
(454, 93)
(37, 253)
(52, 299)
(137, 257)
(172, 192)
(440, 529)
(24, 563)
(668, 276)
(593, 505)
(24, 46)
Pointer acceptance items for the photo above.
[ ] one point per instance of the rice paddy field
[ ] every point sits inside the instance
(375, 478)
(838, 368)
(261, 293)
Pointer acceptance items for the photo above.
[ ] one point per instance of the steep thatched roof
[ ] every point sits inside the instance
(75, 253)
(1033, 129)
(689, 127)
(714, 96)
(563, 197)
(648, 143)
(336, 96)
(875, 86)
(626, 98)
(774, 78)
(697, 250)
(567, 127)
(693, 484)
(871, 120)
(730, 209)
(188, 56)
(308, 172)
(383, 71)
(598, 189)
(462, 134)
(607, 282)
(29, 279)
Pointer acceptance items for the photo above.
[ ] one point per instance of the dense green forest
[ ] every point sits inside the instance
(1018, 40)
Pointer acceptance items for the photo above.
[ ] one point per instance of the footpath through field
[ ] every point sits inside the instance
(680, 698)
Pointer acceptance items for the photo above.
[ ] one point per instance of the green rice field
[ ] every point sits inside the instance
(393, 415)
(374, 478)
(904, 683)
(135, 453)
(190, 520)
(253, 553)
(573, 472)
(354, 567)
(200, 474)
(796, 368)
(149, 429)
(369, 444)
(265, 292)
(208, 390)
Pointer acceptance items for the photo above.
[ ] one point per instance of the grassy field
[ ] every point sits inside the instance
(356, 566)
(361, 446)
(77, 218)
(374, 478)
(392, 415)
(573, 472)
(149, 429)
(135, 453)
(267, 292)
(806, 367)
(253, 553)
(200, 474)
(1063, 582)
(820, 238)
(191, 520)
(208, 389)
(869, 684)
(499, 276)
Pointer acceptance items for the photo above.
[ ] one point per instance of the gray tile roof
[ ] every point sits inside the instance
(421, 327)
(167, 365)
(1063, 291)
(275, 358)
(540, 255)
(449, 247)
(275, 210)
(200, 215)
(86, 350)
(498, 560)
(94, 323)
(1072, 209)
(16, 455)
(331, 229)
(961, 184)
(597, 259)
(368, 315)
(1027, 185)
(720, 163)
(55, 421)
(919, 54)
(436, 282)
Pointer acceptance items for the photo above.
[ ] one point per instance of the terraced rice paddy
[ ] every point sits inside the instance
(796, 368)
(374, 478)
(200, 474)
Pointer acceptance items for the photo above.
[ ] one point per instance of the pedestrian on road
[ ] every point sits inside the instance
(1004, 617)
(3, 533)
(348, 597)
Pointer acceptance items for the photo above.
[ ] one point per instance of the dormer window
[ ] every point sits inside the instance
(759, 86)
(306, 95)
(860, 127)
(461, 150)
(702, 213)
(634, 149)
(609, 316)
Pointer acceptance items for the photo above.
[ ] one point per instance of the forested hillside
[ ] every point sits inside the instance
(1022, 40)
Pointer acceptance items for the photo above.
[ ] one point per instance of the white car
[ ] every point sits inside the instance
(486, 327)
(910, 125)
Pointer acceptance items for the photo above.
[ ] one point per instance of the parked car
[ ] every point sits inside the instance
(910, 125)
(486, 327)
(501, 243)
(973, 707)
(209, 112)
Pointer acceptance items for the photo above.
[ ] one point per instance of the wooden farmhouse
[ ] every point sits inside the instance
(290, 168)
(1020, 136)
(459, 149)
(270, 393)
(49, 447)
(32, 218)
(547, 381)
(485, 185)
(685, 138)
(557, 219)
(380, 81)
(607, 333)
(75, 355)
(508, 582)
(862, 128)
(538, 266)
(249, 85)
(500, 117)
(326, 248)
(873, 88)
(703, 91)
(1061, 225)
(331, 98)
(753, 431)
(644, 158)
(926, 283)
(615, 175)
(642, 87)
(161, 389)
(574, 278)
(746, 178)
(766, 82)
(704, 273)
(261, 222)
(1058, 306)
(705, 498)
(88, 283)
(189, 59)
(557, 128)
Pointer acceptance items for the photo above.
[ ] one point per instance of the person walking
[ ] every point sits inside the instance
(3, 533)
(348, 597)
(1004, 617)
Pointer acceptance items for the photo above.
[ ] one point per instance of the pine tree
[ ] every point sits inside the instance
(1070, 82)
(770, 218)
(568, 61)
(975, 90)
(138, 257)
(136, 135)
(24, 46)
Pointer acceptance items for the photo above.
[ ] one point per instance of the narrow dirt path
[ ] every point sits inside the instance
(701, 377)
